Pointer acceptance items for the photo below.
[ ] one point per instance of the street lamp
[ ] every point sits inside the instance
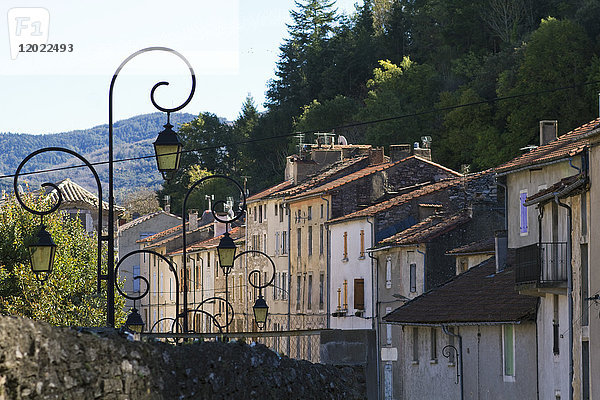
(134, 322)
(168, 151)
(42, 252)
(226, 250)
(261, 310)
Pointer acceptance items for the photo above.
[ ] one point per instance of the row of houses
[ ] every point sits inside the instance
(482, 284)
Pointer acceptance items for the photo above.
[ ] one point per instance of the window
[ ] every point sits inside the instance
(275, 286)
(265, 212)
(345, 258)
(265, 242)
(345, 294)
(310, 242)
(523, 212)
(298, 282)
(362, 244)
(170, 288)
(359, 294)
(284, 242)
(415, 345)
(281, 213)
(309, 293)
(321, 237)
(433, 344)
(321, 290)
(508, 344)
(284, 286)
(277, 243)
(276, 207)
(299, 244)
(388, 272)
(413, 278)
(260, 214)
(309, 216)
(321, 211)
(254, 213)
(388, 329)
(154, 284)
(136, 282)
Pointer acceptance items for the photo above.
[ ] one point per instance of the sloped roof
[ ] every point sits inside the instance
(479, 295)
(162, 234)
(563, 187)
(145, 218)
(337, 183)
(405, 198)
(74, 193)
(238, 233)
(270, 191)
(430, 228)
(483, 246)
(567, 145)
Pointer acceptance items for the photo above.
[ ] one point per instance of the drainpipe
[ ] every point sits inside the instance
(569, 291)
(289, 277)
(328, 236)
(375, 305)
(460, 359)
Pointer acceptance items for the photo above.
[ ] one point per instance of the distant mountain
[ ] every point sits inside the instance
(133, 138)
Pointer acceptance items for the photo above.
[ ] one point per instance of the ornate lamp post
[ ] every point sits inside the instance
(168, 154)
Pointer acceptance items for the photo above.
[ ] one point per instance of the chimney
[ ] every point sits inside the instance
(501, 246)
(548, 131)
(421, 151)
(297, 169)
(167, 199)
(376, 156)
(193, 220)
(399, 151)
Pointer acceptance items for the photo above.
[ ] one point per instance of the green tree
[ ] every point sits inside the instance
(69, 295)
(557, 55)
(328, 114)
(397, 90)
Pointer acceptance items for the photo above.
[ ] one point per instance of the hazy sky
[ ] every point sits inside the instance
(231, 44)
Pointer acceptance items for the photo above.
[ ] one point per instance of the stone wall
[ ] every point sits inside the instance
(40, 361)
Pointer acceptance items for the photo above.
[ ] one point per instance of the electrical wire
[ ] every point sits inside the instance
(351, 125)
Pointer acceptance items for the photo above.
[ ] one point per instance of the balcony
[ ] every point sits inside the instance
(541, 268)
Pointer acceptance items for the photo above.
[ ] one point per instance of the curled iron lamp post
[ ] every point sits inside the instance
(228, 257)
(168, 154)
(260, 308)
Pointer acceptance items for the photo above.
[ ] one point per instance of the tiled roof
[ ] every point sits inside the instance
(484, 246)
(479, 295)
(430, 228)
(361, 174)
(144, 218)
(159, 235)
(404, 198)
(237, 233)
(74, 193)
(564, 186)
(270, 191)
(322, 176)
(566, 145)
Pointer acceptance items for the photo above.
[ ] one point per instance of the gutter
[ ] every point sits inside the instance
(375, 306)
(533, 166)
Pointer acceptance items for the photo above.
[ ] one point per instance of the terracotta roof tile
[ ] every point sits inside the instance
(74, 193)
(480, 247)
(404, 198)
(236, 234)
(566, 145)
(569, 183)
(430, 228)
(479, 295)
(144, 218)
(270, 191)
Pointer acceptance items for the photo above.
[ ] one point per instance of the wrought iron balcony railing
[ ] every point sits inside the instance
(543, 263)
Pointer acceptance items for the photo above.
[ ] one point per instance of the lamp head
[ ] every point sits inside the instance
(261, 310)
(134, 322)
(42, 252)
(226, 250)
(167, 148)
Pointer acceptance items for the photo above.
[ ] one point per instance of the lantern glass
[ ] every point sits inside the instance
(167, 148)
(261, 310)
(42, 253)
(226, 250)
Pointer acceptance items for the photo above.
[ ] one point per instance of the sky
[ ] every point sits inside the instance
(232, 46)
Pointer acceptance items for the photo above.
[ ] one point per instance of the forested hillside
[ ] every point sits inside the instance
(133, 137)
(396, 70)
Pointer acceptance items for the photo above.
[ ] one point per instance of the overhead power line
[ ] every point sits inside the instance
(351, 125)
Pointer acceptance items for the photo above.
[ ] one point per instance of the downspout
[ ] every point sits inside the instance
(289, 277)
(328, 269)
(459, 357)
(569, 291)
(505, 202)
(424, 268)
(375, 305)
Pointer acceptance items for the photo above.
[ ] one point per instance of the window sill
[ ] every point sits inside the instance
(509, 378)
(414, 362)
(451, 364)
(433, 362)
(361, 257)
(345, 259)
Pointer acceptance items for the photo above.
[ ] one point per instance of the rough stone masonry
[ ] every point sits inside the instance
(41, 361)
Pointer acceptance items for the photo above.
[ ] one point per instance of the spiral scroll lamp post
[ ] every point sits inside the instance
(168, 155)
